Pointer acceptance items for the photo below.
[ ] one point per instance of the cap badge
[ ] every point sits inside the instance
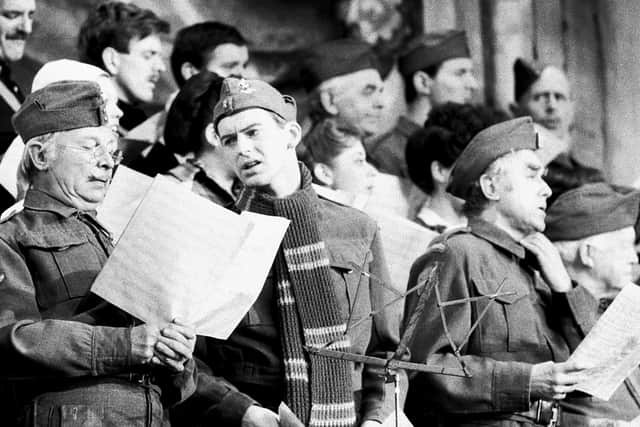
(227, 103)
(245, 87)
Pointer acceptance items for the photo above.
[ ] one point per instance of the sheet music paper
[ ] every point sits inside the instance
(613, 345)
(126, 191)
(9, 166)
(183, 256)
(287, 417)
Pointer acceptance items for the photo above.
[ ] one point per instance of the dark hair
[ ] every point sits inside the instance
(196, 42)
(114, 24)
(325, 141)
(447, 131)
(410, 93)
(191, 112)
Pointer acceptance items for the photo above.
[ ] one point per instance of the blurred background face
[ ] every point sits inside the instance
(228, 59)
(351, 171)
(614, 257)
(359, 101)
(110, 95)
(454, 82)
(16, 22)
(548, 101)
(139, 69)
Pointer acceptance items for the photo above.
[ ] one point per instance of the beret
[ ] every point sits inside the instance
(191, 111)
(589, 210)
(525, 75)
(431, 49)
(488, 145)
(238, 95)
(58, 107)
(336, 58)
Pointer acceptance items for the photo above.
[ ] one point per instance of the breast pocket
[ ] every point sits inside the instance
(349, 266)
(63, 266)
(509, 322)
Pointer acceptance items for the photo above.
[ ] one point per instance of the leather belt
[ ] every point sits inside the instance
(544, 413)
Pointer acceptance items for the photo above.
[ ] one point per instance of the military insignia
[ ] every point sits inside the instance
(227, 103)
(538, 142)
(245, 87)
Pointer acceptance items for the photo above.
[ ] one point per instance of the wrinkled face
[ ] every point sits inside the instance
(139, 70)
(548, 101)
(259, 149)
(613, 256)
(16, 21)
(228, 59)
(351, 171)
(75, 174)
(358, 100)
(522, 193)
(454, 82)
(110, 96)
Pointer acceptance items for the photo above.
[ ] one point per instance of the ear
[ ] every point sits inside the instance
(422, 82)
(295, 132)
(111, 60)
(38, 156)
(188, 70)
(439, 172)
(323, 173)
(326, 99)
(585, 254)
(210, 135)
(489, 188)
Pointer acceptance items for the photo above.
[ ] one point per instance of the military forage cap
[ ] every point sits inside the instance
(487, 146)
(336, 58)
(60, 106)
(589, 210)
(525, 75)
(431, 49)
(238, 95)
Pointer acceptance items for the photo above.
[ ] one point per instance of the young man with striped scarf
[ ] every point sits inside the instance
(323, 278)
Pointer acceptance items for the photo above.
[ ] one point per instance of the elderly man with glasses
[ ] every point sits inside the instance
(69, 356)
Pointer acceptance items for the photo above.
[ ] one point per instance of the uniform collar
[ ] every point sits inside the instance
(406, 127)
(38, 200)
(496, 236)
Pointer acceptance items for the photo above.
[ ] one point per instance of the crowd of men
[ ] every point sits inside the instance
(530, 246)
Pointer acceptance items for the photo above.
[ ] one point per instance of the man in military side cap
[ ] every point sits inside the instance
(343, 81)
(543, 92)
(593, 228)
(518, 289)
(70, 357)
(320, 281)
(436, 69)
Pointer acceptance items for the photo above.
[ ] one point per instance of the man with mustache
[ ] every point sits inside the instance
(543, 92)
(16, 23)
(124, 40)
(71, 358)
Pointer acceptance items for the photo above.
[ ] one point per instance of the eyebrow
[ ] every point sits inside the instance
(534, 167)
(244, 129)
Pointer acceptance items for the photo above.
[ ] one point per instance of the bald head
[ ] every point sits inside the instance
(549, 102)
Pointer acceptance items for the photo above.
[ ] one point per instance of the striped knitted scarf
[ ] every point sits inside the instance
(318, 389)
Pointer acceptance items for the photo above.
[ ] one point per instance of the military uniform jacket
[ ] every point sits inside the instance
(53, 332)
(526, 327)
(355, 254)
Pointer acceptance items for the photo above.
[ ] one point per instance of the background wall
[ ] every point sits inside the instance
(595, 41)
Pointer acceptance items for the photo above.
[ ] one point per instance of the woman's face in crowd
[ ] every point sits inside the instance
(351, 171)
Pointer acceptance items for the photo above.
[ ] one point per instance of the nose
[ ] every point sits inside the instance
(26, 24)
(372, 172)
(545, 190)
(105, 160)
(552, 102)
(472, 82)
(243, 144)
(159, 64)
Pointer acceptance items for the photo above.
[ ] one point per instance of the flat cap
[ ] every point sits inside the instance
(238, 95)
(488, 145)
(431, 49)
(60, 106)
(191, 111)
(589, 210)
(525, 75)
(336, 58)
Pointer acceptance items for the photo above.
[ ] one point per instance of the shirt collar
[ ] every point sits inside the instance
(496, 236)
(432, 219)
(40, 201)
